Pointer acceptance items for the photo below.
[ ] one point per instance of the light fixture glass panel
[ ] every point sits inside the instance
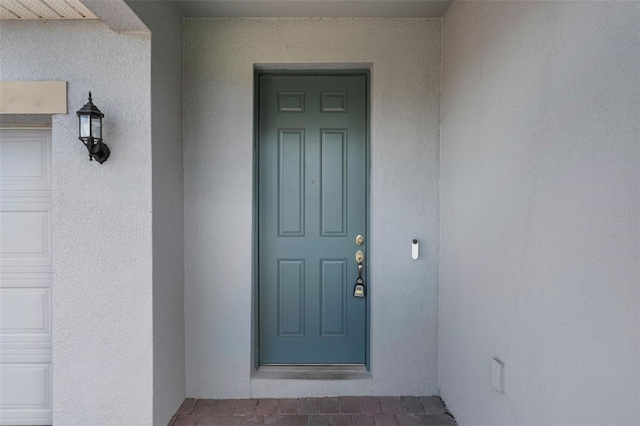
(85, 130)
(96, 127)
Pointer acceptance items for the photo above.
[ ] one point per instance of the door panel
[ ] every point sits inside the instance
(25, 277)
(333, 182)
(291, 182)
(311, 205)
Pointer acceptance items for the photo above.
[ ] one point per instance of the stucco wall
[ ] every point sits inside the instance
(219, 65)
(167, 176)
(102, 293)
(539, 206)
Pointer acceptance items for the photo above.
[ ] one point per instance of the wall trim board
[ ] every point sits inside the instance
(33, 97)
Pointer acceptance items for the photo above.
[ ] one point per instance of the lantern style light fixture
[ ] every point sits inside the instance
(90, 131)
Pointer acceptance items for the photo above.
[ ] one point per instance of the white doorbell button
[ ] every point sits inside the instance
(414, 249)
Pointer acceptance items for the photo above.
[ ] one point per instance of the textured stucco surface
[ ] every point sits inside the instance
(102, 294)
(165, 24)
(540, 228)
(219, 63)
(117, 14)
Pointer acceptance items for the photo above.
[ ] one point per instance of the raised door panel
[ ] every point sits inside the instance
(333, 183)
(25, 233)
(291, 183)
(25, 390)
(25, 160)
(291, 297)
(333, 297)
(25, 310)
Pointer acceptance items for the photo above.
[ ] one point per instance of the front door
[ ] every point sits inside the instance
(312, 188)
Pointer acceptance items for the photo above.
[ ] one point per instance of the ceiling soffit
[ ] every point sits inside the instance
(44, 9)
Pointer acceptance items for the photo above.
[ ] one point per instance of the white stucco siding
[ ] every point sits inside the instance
(102, 292)
(404, 56)
(165, 24)
(540, 201)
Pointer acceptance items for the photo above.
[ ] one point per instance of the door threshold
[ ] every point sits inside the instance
(312, 372)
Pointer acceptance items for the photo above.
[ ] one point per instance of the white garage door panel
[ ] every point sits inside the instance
(29, 156)
(25, 160)
(24, 386)
(25, 398)
(25, 234)
(24, 312)
(25, 277)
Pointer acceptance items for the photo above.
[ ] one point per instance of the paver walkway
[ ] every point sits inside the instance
(342, 411)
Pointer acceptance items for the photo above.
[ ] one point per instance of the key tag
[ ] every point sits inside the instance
(358, 290)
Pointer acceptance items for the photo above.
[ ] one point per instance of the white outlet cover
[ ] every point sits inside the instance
(497, 374)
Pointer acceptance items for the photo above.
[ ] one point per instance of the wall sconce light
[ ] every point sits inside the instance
(90, 131)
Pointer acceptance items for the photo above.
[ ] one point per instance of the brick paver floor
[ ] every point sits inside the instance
(333, 411)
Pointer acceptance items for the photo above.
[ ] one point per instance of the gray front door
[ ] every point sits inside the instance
(312, 186)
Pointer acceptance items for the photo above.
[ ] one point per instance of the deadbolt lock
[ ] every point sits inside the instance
(359, 256)
(359, 240)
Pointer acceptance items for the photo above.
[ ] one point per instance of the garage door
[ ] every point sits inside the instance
(25, 277)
